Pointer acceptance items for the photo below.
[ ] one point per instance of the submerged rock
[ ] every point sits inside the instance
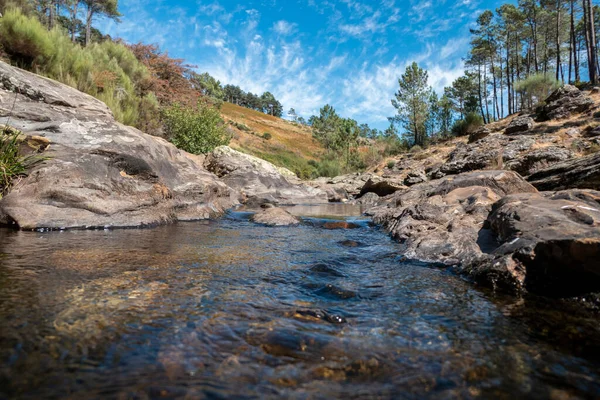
(274, 216)
(98, 172)
(259, 180)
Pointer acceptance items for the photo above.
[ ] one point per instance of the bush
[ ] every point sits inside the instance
(267, 136)
(536, 88)
(242, 127)
(197, 131)
(391, 164)
(12, 164)
(108, 71)
(465, 126)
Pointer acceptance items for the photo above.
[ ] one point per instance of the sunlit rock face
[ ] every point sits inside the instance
(98, 172)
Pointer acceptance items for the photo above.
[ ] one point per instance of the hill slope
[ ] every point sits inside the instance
(290, 145)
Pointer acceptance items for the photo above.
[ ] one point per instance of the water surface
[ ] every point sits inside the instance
(231, 309)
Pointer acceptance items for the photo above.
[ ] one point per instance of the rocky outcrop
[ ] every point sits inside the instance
(344, 187)
(440, 221)
(259, 181)
(499, 230)
(274, 216)
(564, 102)
(548, 244)
(381, 186)
(520, 125)
(98, 173)
(576, 173)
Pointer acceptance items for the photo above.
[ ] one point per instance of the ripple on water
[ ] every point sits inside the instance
(231, 309)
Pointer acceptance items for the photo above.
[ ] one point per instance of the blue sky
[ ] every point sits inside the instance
(348, 53)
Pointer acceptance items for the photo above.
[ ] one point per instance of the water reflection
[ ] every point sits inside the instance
(233, 309)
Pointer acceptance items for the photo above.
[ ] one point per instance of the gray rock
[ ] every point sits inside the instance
(99, 173)
(368, 200)
(576, 173)
(274, 216)
(533, 161)
(258, 180)
(415, 177)
(520, 125)
(479, 134)
(564, 102)
(440, 221)
(548, 245)
(381, 186)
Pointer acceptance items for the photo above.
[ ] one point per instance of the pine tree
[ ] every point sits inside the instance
(411, 103)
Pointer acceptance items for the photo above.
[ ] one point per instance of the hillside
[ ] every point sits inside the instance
(290, 145)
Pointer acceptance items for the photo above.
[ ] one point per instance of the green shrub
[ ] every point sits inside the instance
(391, 164)
(267, 136)
(24, 38)
(108, 71)
(536, 88)
(242, 127)
(197, 131)
(465, 126)
(12, 164)
(416, 149)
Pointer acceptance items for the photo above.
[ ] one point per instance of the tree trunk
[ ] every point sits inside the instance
(88, 26)
(558, 6)
(479, 92)
(73, 27)
(593, 51)
(508, 85)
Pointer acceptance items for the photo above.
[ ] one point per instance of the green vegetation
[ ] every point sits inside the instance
(197, 131)
(467, 125)
(391, 164)
(536, 88)
(12, 164)
(108, 71)
(267, 136)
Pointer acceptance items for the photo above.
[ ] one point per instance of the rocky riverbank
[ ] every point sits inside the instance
(515, 206)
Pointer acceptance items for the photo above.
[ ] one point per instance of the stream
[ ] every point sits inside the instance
(227, 308)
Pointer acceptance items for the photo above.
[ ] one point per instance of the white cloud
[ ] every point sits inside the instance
(284, 28)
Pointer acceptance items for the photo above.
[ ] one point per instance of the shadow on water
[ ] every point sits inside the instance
(232, 309)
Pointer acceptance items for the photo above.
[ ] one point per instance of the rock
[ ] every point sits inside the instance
(415, 177)
(340, 225)
(368, 200)
(479, 134)
(536, 160)
(520, 125)
(595, 90)
(274, 216)
(440, 221)
(573, 132)
(382, 187)
(592, 132)
(548, 245)
(99, 173)
(564, 102)
(258, 180)
(576, 173)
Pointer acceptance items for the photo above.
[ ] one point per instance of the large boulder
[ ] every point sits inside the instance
(547, 244)
(520, 125)
(260, 181)
(440, 221)
(576, 173)
(564, 102)
(98, 172)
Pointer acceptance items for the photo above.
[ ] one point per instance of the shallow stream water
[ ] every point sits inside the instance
(230, 309)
